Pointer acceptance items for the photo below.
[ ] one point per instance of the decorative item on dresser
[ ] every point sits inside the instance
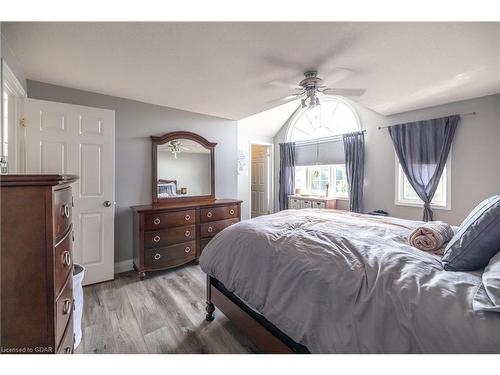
(177, 226)
(302, 201)
(36, 264)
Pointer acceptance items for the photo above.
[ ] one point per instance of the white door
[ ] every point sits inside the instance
(70, 139)
(260, 180)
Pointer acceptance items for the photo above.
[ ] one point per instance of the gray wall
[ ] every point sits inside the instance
(475, 163)
(135, 123)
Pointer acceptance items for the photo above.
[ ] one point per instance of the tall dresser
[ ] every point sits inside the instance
(174, 233)
(36, 264)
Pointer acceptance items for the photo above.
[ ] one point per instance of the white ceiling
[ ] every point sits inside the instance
(225, 69)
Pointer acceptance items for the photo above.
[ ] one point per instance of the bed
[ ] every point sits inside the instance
(327, 281)
(167, 188)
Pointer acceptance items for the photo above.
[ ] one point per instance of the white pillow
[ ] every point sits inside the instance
(487, 297)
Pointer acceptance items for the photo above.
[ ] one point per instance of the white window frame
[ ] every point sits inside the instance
(331, 181)
(300, 111)
(400, 200)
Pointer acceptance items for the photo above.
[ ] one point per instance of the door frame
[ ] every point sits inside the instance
(10, 81)
(271, 175)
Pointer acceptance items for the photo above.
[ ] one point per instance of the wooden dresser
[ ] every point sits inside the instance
(170, 234)
(36, 264)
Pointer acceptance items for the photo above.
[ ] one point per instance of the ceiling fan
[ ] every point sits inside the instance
(176, 147)
(312, 85)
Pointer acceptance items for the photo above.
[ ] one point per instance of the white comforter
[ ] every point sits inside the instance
(348, 283)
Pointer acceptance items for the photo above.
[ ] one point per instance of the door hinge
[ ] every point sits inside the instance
(22, 122)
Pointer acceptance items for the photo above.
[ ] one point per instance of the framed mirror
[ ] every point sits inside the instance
(183, 167)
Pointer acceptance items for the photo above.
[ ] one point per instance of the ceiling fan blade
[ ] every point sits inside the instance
(278, 83)
(337, 74)
(285, 99)
(344, 92)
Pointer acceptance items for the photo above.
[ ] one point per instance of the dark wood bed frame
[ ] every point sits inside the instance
(266, 336)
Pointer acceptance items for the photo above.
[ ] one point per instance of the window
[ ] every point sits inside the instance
(314, 180)
(406, 195)
(331, 118)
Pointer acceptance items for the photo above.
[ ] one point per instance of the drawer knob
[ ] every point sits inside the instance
(66, 306)
(156, 238)
(65, 210)
(231, 211)
(209, 214)
(187, 249)
(210, 229)
(187, 217)
(66, 258)
(187, 233)
(157, 256)
(67, 350)
(156, 221)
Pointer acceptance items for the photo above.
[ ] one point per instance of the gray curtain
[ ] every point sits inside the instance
(287, 173)
(422, 148)
(354, 151)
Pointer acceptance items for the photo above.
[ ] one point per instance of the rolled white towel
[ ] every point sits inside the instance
(431, 236)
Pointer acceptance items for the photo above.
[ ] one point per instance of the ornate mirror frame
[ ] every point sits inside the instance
(162, 139)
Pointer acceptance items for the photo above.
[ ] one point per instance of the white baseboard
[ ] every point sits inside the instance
(124, 266)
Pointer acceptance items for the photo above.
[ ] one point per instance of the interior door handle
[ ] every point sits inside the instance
(107, 204)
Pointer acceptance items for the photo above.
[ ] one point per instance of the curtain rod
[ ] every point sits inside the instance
(460, 114)
(335, 138)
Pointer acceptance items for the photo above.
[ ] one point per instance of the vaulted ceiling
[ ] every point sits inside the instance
(232, 70)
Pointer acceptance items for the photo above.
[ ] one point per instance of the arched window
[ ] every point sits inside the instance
(332, 118)
(320, 166)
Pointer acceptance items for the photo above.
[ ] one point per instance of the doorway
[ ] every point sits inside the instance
(260, 180)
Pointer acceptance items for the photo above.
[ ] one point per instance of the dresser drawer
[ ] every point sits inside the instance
(67, 342)
(306, 203)
(212, 228)
(204, 242)
(63, 259)
(170, 256)
(169, 219)
(293, 203)
(218, 213)
(318, 204)
(61, 211)
(64, 309)
(166, 237)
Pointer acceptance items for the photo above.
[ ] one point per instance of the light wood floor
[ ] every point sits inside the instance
(164, 313)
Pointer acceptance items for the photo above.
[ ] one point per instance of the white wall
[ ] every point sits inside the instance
(11, 59)
(475, 163)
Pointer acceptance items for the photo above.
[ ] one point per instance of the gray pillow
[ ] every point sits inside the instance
(487, 297)
(477, 239)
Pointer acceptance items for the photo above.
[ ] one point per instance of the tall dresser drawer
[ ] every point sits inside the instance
(170, 255)
(67, 342)
(63, 261)
(166, 237)
(169, 219)
(61, 211)
(212, 228)
(64, 309)
(218, 213)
